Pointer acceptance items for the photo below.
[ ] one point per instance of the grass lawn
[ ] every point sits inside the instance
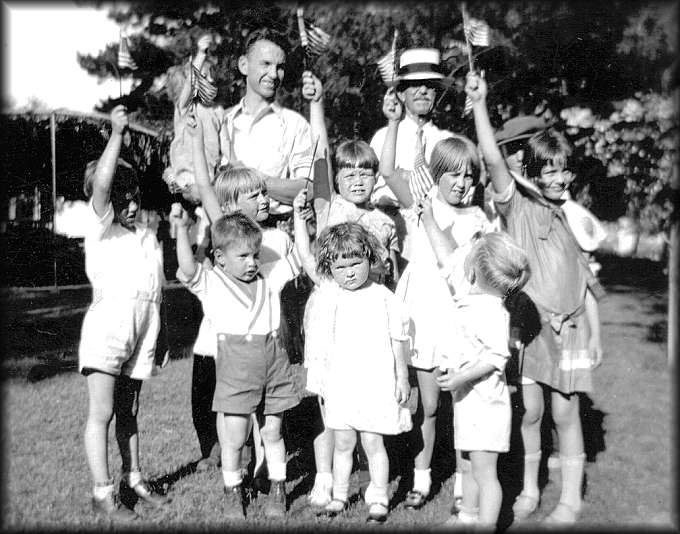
(627, 422)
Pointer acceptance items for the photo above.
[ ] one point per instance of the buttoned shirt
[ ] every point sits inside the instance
(277, 141)
(119, 261)
(405, 153)
(227, 307)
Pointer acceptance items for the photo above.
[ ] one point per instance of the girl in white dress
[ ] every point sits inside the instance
(359, 340)
(455, 170)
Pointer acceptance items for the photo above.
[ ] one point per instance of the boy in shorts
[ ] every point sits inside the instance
(253, 375)
(124, 264)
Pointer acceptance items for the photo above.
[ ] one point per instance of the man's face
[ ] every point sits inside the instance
(263, 67)
(418, 96)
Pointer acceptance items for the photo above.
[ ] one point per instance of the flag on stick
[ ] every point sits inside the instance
(421, 179)
(387, 65)
(203, 89)
(476, 31)
(125, 60)
(314, 40)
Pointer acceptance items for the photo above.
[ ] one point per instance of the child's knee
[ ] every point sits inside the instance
(372, 443)
(271, 432)
(100, 414)
(345, 441)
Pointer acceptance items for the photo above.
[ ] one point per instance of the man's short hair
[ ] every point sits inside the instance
(265, 34)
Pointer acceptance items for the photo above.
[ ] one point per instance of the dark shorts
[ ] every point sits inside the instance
(250, 371)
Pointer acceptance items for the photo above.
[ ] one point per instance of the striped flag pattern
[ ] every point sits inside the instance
(125, 60)
(421, 180)
(468, 106)
(314, 40)
(203, 89)
(387, 65)
(476, 31)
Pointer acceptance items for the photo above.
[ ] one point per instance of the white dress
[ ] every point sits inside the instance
(349, 358)
(424, 291)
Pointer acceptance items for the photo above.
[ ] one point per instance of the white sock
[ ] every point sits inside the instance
(341, 491)
(457, 485)
(324, 479)
(101, 491)
(376, 494)
(133, 478)
(468, 515)
(232, 478)
(277, 471)
(422, 481)
(532, 462)
(572, 479)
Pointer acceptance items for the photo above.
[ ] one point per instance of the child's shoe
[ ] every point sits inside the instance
(275, 503)
(321, 493)
(415, 500)
(563, 514)
(111, 507)
(141, 490)
(233, 502)
(333, 508)
(377, 513)
(524, 506)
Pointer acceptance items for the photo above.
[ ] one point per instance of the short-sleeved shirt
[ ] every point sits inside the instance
(230, 310)
(558, 279)
(405, 153)
(276, 246)
(277, 141)
(119, 261)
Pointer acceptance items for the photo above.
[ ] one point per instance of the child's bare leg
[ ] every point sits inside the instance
(125, 407)
(565, 412)
(323, 461)
(345, 441)
(378, 467)
(532, 395)
(429, 399)
(484, 470)
(274, 447)
(100, 388)
(469, 506)
(232, 432)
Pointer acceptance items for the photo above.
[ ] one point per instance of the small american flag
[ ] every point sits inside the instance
(203, 89)
(421, 180)
(125, 60)
(468, 106)
(314, 40)
(387, 64)
(476, 31)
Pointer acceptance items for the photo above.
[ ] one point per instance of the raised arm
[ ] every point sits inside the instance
(301, 212)
(185, 257)
(209, 200)
(442, 243)
(476, 89)
(106, 166)
(393, 109)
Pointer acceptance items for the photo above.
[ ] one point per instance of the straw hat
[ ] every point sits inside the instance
(419, 64)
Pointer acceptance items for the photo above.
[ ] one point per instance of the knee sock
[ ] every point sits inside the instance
(102, 489)
(422, 481)
(277, 471)
(532, 461)
(572, 479)
(376, 494)
(232, 478)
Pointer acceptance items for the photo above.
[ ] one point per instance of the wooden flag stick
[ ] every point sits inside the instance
(467, 40)
(301, 29)
(311, 168)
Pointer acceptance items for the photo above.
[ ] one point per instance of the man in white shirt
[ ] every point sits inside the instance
(266, 136)
(417, 81)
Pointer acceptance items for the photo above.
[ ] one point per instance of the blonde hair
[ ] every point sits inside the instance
(235, 228)
(454, 154)
(344, 240)
(232, 182)
(501, 263)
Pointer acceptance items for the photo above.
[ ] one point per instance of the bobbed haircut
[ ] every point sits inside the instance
(344, 240)
(124, 179)
(454, 154)
(548, 146)
(354, 153)
(500, 261)
(265, 34)
(235, 228)
(232, 182)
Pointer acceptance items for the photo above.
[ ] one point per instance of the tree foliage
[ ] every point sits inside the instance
(544, 56)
